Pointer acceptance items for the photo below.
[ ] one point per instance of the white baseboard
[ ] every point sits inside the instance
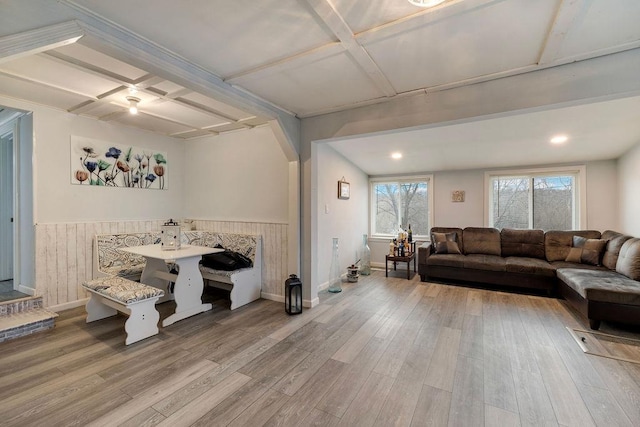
(26, 290)
(272, 297)
(310, 303)
(68, 305)
(378, 265)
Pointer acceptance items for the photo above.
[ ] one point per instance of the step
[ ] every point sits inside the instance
(24, 317)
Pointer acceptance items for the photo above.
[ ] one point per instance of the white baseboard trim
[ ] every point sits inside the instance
(378, 265)
(310, 303)
(26, 290)
(272, 297)
(68, 305)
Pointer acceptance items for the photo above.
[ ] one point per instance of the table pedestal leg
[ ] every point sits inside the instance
(150, 278)
(188, 291)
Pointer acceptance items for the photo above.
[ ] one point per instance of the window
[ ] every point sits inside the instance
(401, 202)
(547, 199)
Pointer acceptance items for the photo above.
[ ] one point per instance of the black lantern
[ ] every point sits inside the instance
(293, 295)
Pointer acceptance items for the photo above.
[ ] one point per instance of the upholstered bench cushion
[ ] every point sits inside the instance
(530, 266)
(123, 290)
(601, 285)
(522, 243)
(223, 273)
(124, 270)
(481, 240)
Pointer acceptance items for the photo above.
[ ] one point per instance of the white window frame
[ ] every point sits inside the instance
(400, 179)
(579, 220)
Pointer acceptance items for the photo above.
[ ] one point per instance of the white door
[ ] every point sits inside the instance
(6, 207)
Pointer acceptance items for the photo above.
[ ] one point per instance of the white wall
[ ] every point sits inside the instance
(346, 219)
(629, 190)
(238, 176)
(57, 200)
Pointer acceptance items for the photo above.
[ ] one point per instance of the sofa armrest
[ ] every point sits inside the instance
(424, 251)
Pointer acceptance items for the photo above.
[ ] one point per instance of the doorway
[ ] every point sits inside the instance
(9, 140)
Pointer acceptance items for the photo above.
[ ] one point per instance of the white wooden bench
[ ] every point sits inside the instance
(112, 294)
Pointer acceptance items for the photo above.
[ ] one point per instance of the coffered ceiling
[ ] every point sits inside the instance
(302, 58)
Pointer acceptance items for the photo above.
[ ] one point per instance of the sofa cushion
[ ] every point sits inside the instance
(485, 262)
(601, 285)
(586, 251)
(446, 260)
(615, 241)
(629, 259)
(457, 231)
(565, 264)
(524, 243)
(528, 265)
(557, 244)
(481, 240)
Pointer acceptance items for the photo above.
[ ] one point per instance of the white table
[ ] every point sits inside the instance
(189, 284)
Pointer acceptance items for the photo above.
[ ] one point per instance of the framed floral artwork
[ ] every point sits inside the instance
(106, 164)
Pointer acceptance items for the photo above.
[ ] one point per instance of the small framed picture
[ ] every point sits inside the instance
(457, 196)
(344, 190)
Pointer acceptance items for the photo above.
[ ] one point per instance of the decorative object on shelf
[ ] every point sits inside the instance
(457, 196)
(353, 273)
(365, 257)
(344, 189)
(293, 295)
(105, 164)
(334, 270)
(170, 236)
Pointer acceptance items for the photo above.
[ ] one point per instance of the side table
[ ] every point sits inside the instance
(396, 259)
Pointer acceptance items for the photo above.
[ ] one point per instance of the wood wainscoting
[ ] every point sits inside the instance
(64, 255)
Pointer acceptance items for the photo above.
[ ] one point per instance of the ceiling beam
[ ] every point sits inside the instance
(567, 13)
(336, 23)
(35, 41)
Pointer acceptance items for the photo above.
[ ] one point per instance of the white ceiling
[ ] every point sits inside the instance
(309, 57)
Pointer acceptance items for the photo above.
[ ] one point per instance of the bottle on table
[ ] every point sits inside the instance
(410, 234)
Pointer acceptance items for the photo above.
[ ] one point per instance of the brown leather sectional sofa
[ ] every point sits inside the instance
(598, 273)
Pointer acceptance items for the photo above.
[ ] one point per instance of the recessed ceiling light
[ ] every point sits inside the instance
(426, 3)
(559, 139)
(396, 155)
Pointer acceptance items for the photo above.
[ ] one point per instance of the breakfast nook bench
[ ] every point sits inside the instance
(112, 294)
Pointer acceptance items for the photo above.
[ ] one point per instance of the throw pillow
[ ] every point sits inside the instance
(447, 248)
(586, 251)
(445, 243)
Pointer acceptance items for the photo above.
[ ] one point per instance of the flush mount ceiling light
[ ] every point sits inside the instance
(396, 155)
(133, 104)
(426, 3)
(559, 139)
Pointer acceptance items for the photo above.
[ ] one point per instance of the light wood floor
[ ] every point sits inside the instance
(383, 352)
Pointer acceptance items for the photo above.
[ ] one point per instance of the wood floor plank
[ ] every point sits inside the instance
(467, 398)
(196, 408)
(534, 406)
(565, 398)
(471, 338)
(603, 407)
(260, 411)
(359, 339)
(150, 396)
(432, 408)
(499, 388)
(497, 417)
(443, 362)
(402, 399)
(365, 407)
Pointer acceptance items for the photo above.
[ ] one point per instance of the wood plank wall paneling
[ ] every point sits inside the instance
(64, 253)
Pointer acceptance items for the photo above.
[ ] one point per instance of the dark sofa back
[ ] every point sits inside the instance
(523, 243)
(615, 241)
(481, 240)
(557, 244)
